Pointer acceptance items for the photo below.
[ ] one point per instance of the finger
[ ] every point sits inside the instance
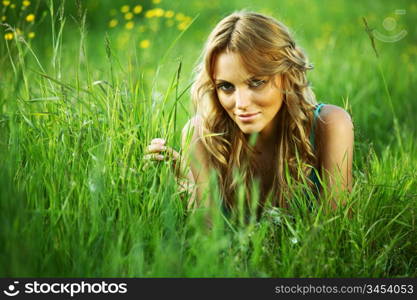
(154, 156)
(172, 153)
(158, 141)
(155, 148)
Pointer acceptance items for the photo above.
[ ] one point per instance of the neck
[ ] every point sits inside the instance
(265, 140)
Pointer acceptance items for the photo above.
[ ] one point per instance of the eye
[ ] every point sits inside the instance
(225, 87)
(256, 82)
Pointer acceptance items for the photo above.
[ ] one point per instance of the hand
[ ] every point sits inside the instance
(158, 151)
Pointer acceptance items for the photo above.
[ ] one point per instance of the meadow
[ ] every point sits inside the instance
(85, 86)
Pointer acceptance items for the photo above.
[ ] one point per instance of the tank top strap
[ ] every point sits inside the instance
(313, 128)
(313, 175)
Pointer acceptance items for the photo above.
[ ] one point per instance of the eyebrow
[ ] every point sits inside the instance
(222, 80)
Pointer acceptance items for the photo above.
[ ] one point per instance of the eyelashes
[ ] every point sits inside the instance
(227, 87)
(256, 83)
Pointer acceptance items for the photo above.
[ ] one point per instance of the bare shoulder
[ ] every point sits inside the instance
(334, 119)
(196, 154)
(191, 141)
(334, 130)
(335, 134)
(195, 121)
(192, 129)
(336, 140)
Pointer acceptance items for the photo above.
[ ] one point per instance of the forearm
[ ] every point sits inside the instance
(187, 189)
(196, 196)
(338, 192)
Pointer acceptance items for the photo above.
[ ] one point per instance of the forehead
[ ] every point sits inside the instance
(228, 66)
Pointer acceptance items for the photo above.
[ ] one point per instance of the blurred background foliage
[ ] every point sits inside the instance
(141, 32)
(85, 85)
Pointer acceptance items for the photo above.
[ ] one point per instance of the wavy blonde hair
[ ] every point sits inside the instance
(267, 49)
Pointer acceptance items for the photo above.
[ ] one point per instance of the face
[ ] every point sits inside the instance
(252, 101)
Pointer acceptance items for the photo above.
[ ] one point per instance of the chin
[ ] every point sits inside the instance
(249, 129)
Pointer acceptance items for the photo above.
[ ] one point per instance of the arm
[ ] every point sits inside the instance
(194, 163)
(190, 168)
(336, 151)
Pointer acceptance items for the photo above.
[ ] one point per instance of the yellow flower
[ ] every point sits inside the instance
(3, 18)
(6, 2)
(150, 13)
(137, 9)
(129, 25)
(181, 26)
(8, 36)
(159, 12)
(144, 44)
(31, 35)
(180, 17)
(30, 18)
(26, 3)
(156, 1)
(124, 9)
(169, 14)
(113, 23)
(129, 16)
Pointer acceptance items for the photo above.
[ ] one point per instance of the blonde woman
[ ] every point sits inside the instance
(255, 112)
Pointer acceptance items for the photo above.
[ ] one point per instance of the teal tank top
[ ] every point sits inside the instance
(313, 175)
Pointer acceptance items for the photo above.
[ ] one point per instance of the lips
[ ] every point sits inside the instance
(247, 117)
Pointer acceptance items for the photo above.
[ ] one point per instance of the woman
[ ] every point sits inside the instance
(251, 87)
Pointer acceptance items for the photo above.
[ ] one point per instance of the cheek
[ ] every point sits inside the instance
(272, 105)
(226, 102)
(271, 102)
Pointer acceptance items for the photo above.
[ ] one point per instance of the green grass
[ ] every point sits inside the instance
(76, 200)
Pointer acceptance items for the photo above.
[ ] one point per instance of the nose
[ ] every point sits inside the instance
(242, 99)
